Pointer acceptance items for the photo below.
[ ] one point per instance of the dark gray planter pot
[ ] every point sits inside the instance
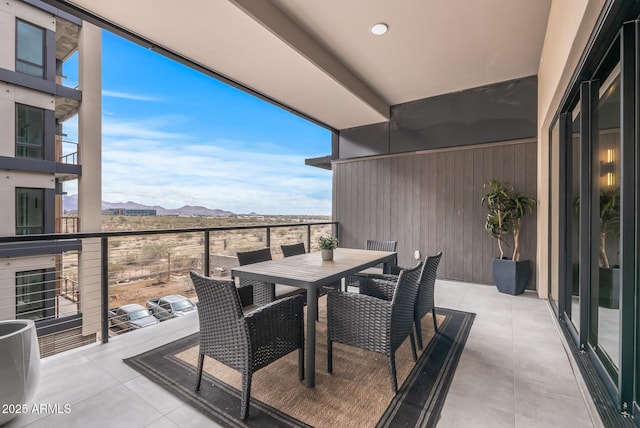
(610, 287)
(511, 277)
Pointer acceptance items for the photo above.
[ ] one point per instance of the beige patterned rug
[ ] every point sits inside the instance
(357, 394)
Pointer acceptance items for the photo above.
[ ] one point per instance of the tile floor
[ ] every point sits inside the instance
(514, 372)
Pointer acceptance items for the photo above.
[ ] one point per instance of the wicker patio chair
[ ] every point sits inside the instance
(374, 324)
(381, 286)
(246, 342)
(293, 249)
(264, 292)
(370, 244)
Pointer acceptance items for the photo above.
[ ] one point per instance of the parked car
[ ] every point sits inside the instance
(172, 306)
(129, 317)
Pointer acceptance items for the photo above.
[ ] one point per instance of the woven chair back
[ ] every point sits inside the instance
(381, 245)
(292, 249)
(426, 290)
(263, 292)
(255, 256)
(223, 334)
(402, 305)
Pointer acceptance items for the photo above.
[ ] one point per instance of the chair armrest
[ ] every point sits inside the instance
(380, 288)
(385, 276)
(357, 318)
(274, 310)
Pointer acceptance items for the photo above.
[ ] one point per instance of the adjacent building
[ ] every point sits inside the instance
(38, 158)
(130, 212)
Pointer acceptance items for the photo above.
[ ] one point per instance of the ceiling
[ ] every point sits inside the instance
(319, 58)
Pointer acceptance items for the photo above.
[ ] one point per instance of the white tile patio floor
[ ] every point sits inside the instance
(514, 372)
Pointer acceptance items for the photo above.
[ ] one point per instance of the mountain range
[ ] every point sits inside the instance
(70, 203)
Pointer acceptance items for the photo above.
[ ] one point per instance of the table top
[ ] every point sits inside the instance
(309, 269)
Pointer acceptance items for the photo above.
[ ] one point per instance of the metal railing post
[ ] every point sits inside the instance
(105, 288)
(308, 238)
(207, 261)
(268, 237)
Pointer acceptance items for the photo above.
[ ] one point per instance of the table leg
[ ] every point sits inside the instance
(312, 313)
(386, 266)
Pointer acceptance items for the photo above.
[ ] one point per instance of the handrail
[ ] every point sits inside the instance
(73, 156)
(111, 234)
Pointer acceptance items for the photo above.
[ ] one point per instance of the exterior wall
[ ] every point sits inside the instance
(504, 111)
(9, 268)
(439, 151)
(431, 201)
(569, 27)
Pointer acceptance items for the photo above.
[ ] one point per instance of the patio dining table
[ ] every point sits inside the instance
(310, 272)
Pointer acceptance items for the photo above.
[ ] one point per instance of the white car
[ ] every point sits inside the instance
(171, 306)
(133, 316)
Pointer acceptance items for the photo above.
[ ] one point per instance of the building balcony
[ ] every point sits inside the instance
(66, 151)
(66, 224)
(516, 368)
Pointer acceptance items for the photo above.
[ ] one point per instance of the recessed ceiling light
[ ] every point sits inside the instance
(379, 29)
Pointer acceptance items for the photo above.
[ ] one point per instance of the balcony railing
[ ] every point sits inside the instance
(67, 152)
(67, 224)
(70, 289)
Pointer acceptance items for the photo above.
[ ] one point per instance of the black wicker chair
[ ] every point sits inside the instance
(264, 292)
(374, 324)
(293, 249)
(381, 286)
(370, 244)
(246, 343)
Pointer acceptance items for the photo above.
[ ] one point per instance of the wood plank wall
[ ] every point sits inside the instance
(432, 202)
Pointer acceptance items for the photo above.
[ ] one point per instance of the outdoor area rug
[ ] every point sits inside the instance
(357, 394)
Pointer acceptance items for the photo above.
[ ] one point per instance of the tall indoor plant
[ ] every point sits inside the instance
(609, 273)
(506, 210)
(609, 269)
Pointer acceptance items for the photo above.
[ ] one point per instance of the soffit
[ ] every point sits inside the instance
(432, 47)
(318, 57)
(66, 39)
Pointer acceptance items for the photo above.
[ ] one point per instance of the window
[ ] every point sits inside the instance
(29, 49)
(29, 132)
(29, 211)
(30, 294)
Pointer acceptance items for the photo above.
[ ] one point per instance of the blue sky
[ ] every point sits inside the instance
(172, 136)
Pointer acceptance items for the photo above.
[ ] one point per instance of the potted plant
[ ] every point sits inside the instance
(506, 210)
(327, 244)
(609, 274)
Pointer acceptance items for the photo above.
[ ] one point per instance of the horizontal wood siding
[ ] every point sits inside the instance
(431, 202)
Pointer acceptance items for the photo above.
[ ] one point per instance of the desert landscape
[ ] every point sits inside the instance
(152, 266)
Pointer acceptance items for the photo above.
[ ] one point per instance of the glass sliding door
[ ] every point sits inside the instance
(605, 200)
(595, 211)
